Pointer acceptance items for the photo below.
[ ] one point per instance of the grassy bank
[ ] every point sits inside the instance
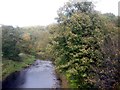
(9, 66)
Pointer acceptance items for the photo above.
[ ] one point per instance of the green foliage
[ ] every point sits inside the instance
(108, 74)
(10, 38)
(111, 18)
(76, 48)
(118, 23)
(28, 40)
(22, 45)
(82, 44)
(34, 40)
(10, 66)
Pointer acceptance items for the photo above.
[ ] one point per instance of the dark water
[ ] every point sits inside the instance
(39, 75)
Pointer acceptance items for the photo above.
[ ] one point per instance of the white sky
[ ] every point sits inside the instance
(41, 12)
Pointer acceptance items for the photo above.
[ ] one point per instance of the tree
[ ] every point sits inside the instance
(76, 47)
(10, 38)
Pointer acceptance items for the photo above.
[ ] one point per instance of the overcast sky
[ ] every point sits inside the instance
(41, 12)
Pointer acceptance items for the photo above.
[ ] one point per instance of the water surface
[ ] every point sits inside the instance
(39, 75)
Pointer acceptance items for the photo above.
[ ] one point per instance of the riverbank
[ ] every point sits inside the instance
(63, 80)
(10, 66)
(41, 73)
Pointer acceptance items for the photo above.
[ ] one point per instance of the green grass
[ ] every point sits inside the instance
(9, 66)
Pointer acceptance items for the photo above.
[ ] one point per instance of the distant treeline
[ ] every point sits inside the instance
(28, 40)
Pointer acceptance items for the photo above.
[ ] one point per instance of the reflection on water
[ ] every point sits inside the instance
(40, 75)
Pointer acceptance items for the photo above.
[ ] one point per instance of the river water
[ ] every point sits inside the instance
(39, 75)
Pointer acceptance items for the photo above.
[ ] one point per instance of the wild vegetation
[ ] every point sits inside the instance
(83, 45)
(21, 46)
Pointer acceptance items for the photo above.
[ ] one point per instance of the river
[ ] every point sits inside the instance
(41, 74)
